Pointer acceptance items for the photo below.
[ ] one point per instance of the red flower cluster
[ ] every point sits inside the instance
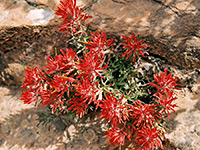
(148, 138)
(165, 94)
(144, 115)
(165, 100)
(86, 94)
(99, 43)
(73, 18)
(29, 96)
(115, 111)
(78, 105)
(33, 83)
(165, 83)
(66, 74)
(62, 63)
(117, 136)
(133, 45)
(76, 83)
(91, 66)
(34, 78)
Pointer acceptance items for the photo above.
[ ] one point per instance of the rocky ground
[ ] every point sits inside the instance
(183, 128)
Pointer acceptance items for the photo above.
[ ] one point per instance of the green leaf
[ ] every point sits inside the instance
(23, 66)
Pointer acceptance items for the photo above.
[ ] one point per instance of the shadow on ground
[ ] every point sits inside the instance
(25, 130)
(171, 123)
(21, 126)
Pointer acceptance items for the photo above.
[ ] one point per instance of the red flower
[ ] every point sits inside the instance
(133, 45)
(70, 56)
(29, 96)
(144, 115)
(115, 112)
(117, 136)
(33, 84)
(84, 87)
(87, 92)
(34, 78)
(99, 43)
(61, 84)
(148, 139)
(91, 66)
(48, 97)
(78, 105)
(165, 83)
(166, 101)
(72, 16)
(63, 62)
(58, 104)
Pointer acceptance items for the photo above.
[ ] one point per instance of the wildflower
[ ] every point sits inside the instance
(88, 92)
(115, 111)
(62, 62)
(70, 56)
(29, 95)
(147, 138)
(99, 43)
(91, 66)
(117, 136)
(73, 18)
(133, 45)
(78, 105)
(61, 84)
(166, 101)
(144, 115)
(48, 96)
(34, 78)
(33, 84)
(165, 83)
(57, 104)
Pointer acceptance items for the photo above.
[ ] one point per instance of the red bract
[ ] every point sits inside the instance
(117, 136)
(57, 104)
(61, 84)
(99, 43)
(48, 97)
(70, 56)
(166, 101)
(144, 115)
(90, 66)
(87, 92)
(148, 138)
(63, 62)
(72, 16)
(33, 83)
(34, 78)
(78, 105)
(115, 111)
(165, 83)
(29, 96)
(133, 45)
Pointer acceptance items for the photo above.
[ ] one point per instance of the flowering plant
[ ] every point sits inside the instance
(95, 75)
